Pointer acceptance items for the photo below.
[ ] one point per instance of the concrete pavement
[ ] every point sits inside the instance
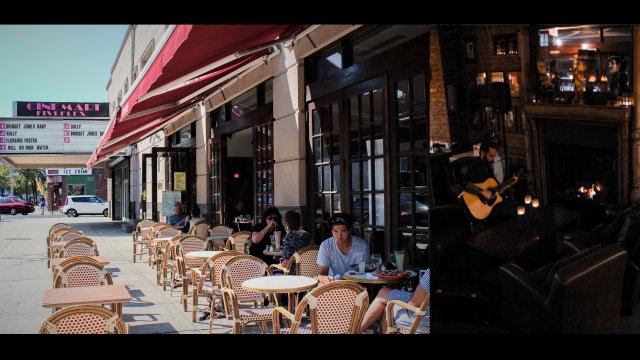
(24, 276)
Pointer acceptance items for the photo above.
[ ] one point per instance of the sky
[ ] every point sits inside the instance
(58, 63)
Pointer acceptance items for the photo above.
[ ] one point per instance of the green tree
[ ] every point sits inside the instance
(4, 177)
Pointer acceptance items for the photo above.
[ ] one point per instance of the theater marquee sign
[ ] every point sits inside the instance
(45, 136)
(60, 109)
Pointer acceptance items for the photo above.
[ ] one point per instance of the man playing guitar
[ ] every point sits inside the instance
(478, 174)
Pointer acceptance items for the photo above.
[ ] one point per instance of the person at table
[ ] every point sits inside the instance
(295, 239)
(194, 217)
(261, 236)
(402, 318)
(177, 218)
(339, 253)
(482, 170)
(236, 210)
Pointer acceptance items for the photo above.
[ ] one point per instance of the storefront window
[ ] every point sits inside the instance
(75, 189)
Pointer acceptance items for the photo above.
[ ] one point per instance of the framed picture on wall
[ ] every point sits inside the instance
(511, 120)
(491, 119)
(514, 83)
(470, 50)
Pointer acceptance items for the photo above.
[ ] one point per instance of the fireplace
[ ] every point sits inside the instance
(580, 156)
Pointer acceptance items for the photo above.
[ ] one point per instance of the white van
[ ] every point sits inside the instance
(85, 205)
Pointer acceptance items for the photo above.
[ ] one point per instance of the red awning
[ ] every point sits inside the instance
(188, 49)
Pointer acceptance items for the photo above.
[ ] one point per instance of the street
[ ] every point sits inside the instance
(24, 276)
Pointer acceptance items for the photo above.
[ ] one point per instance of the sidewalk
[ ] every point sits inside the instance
(24, 276)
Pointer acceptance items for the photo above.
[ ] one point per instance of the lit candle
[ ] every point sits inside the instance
(535, 203)
(520, 210)
(527, 199)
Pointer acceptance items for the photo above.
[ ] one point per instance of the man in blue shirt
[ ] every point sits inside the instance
(177, 218)
(338, 253)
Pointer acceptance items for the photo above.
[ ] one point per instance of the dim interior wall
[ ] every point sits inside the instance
(438, 116)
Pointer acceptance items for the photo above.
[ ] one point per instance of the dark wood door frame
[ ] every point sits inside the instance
(154, 176)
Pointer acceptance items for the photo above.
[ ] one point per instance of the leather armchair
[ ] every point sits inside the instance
(622, 230)
(580, 294)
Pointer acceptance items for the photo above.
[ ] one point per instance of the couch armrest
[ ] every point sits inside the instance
(522, 302)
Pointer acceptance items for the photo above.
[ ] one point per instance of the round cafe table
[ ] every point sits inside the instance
(372, 278)
(272, 253)
(373, 282)
(201, 254)
(285, 284)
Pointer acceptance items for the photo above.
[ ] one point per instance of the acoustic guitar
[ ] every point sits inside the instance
(478, 206)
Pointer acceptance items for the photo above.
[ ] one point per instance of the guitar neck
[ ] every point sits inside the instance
(507, 184)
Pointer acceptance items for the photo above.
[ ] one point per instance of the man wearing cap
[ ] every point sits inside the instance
(339, 253)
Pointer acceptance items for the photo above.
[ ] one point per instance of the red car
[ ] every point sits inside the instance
(13, 206)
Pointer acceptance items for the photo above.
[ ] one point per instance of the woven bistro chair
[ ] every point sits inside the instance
(200, 229)
(208, 283)
(239, 242)
(82, 273)
(220, 230)
(334, 308)
(81, 246)
(140, 239)
(167, 257)
(305, 260)
(419, 312)
(182, 273)
(84, 319)
(52, 229)
(150, 234)
(234, 273)
(63, 235)
(68, 261)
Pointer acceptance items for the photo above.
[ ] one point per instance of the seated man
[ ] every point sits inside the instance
(339, 253)
(402, 318)
(193, 218)
(481, 171)
(177, 218)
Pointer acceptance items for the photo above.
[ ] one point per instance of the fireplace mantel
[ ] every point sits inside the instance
(592, 114)
(579, 112)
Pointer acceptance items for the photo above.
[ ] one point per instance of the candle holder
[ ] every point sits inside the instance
(527, 200)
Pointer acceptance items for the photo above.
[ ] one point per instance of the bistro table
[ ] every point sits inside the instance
(212, 238)
(202, 254)
(100, 259)
(372, 281)
(89, 295)
(285, 284)
(272, 252)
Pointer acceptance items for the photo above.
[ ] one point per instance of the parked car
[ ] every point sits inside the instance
(9, 205)
(85, 205)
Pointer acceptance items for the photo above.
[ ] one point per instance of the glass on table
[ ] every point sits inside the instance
(376, 260)
(399, 259)
(361, 262)
(273, 242)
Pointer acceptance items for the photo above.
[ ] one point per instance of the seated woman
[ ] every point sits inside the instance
(295, 239)
(271, 222)
(402, 317)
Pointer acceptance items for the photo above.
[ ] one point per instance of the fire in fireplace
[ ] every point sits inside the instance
(590, 192)
(581, 174)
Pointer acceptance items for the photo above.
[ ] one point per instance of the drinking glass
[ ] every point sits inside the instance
(273, 241)
(277, 239)
(399, 259)
(361, 262)
(376, 260)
